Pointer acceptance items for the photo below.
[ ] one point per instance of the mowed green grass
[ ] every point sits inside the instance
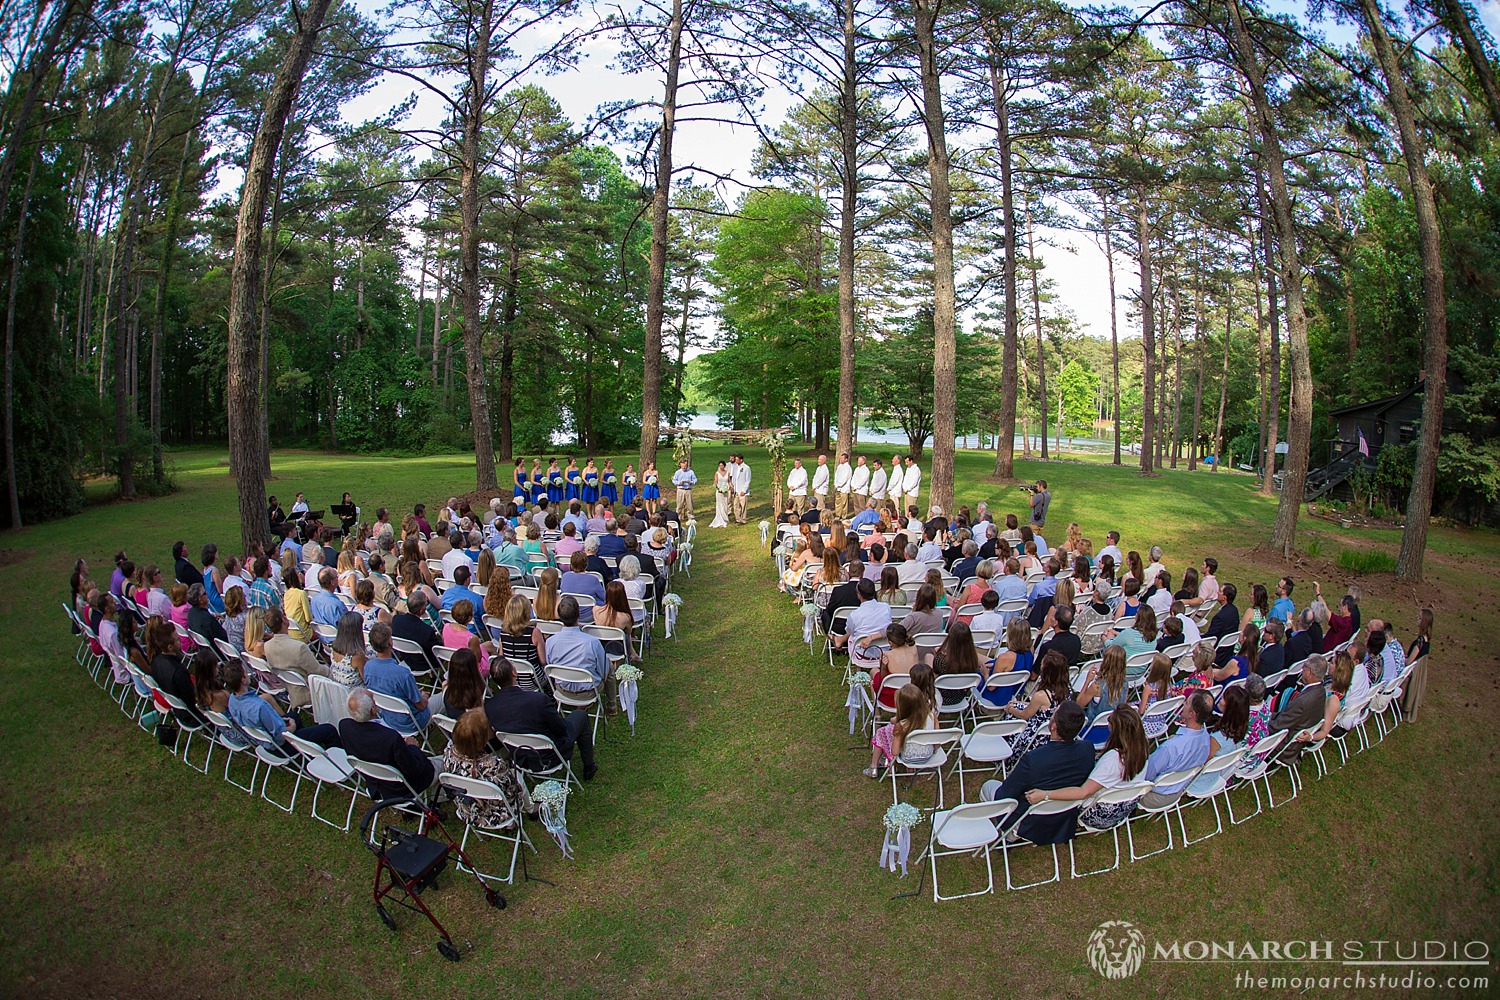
(729, 847)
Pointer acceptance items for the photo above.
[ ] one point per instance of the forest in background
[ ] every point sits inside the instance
(1298, 211)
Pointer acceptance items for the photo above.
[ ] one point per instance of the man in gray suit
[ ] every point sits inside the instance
(1306, 707)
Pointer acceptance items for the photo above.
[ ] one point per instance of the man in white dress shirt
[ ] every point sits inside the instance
(842, 476)
(911, 482)
(893, 484)
(739, 481)
(1113, 551)
(820, 482)
(877, 485)
(859, 485)
(796, 486)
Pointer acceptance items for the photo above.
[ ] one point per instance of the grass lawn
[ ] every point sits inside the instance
(730, 847)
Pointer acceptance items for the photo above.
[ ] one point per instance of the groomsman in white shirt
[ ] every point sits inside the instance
(877, 485)
(842, 476)
(739, 482)
(911, 483)
(796, 486)
(820, 482)
(894, 483)
(859, 485)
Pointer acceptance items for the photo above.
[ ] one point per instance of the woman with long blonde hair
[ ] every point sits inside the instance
(547, 593)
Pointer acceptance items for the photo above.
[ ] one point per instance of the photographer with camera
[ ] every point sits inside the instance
(1041, 499)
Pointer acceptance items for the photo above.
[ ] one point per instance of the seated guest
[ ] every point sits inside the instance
(1307, 705)
(577, 580)
(867, 516)
(211, 694)
(363, 736)
(1010, 584)
(327, 607)
(1062, 762)
(513, 710)
(1191, 633)
(164, 653)
(1340, 626)
(460, 591)
(914, 712)
(1189, 747)
(463, 688)
(1348, 686)
(1097, 610)
(469, 755)
(1063, 640)
(1282, 609)
(572, 647)
(911, 569)
(569, 543)
(988, 620)
(1272, 653)
(866, 626)
(412, 625)
(1124, 758)
(388, 676)
(956, 655)
(930, 551)
(248, 708)
(1105, 686)
(1228, 735)
(200, 619)
(612, 539)
(523, 644)
(925, 616)
(460, 634)
(845, 595)
(187, 573)
(593, 548)
(1300, 643)
(889, 588)
(1139, 638)
(1226, 621)
(902, 658)
(283, 652)
(1245, 659)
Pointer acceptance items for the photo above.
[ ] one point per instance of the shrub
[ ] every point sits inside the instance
(1366, 561)
(1315, 548)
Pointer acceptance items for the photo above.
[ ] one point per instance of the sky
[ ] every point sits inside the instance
(1071, 259)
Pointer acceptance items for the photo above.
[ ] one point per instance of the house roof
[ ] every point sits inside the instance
(1379, 405)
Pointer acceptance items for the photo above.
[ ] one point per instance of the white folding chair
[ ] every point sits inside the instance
(1147, 811)
(1046, 807)
(481, 791)
(1130, 793)
(1097, 732)
(274, 759)
(1257, 765)
(397, 706)
(1215, 780)
(928, 642)
(1000, 689)
(588, 699)
(526, 755)
(372, 772)
(971, 829)
(327, 767)
(234, 742)
(988, 745)
(960, 703)
(940, 740)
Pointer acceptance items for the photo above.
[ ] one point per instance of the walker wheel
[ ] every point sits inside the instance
(385, 916)
(447, 950)
(495, 899)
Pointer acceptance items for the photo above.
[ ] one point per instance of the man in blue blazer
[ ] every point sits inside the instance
(1063, 762)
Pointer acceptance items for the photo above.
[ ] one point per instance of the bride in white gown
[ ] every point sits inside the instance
(721, 497)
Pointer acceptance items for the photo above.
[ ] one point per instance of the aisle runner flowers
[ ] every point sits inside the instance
(629, 677)
(765, 532)
(859, 701)
(672, 603)
(899, 819)
(809, 627)
(552, 797)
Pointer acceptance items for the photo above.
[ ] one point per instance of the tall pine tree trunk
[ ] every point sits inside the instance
(1223, 386)
(468, 253)
(1273, 354)
(1036, 319)
(1148, 334)
(18, 251)
(1005, 438)
(1114, 329)
(661, 213)
(848, 212)
(1434, 307)
(944, 360)
(1299, 429)
(245, 445)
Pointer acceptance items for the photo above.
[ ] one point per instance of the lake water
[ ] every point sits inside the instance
(896, 436)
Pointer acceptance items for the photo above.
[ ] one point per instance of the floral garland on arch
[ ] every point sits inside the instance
(682, 448)
(775, 444)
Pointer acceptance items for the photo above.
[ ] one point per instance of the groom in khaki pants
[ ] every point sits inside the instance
(739, 480)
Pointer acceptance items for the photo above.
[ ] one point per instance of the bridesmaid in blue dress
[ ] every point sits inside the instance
(650, 492)
(572, 475)
(554, 482)
(629, 497)
(538, 483)
(522, 491)
(610, 490)
(590, 495)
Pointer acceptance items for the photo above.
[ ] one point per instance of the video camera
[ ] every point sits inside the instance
(1027, 489)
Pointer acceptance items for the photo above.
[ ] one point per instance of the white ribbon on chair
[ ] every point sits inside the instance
(765, 532)
(859, 700)
(672, 602)
(685, 557)
(552, 798)
(629, 677)
(899, 819)
(809, 627)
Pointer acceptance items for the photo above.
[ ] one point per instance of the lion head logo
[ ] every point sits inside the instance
(1116, 949)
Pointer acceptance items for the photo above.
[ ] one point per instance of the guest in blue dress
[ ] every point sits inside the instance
(554, 482)
(650, 492)
(571, 473)
(610, 490)
(590, 494)
(630, 481)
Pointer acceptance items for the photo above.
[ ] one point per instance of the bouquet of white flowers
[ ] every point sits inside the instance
(899, 819)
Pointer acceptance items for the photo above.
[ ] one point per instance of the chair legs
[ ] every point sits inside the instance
(1130, 833)
(348, 817)
(515, 839)
(989, 868)
(1212, 800)
(1073, 856)
(296, 771)
(1056, 868)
